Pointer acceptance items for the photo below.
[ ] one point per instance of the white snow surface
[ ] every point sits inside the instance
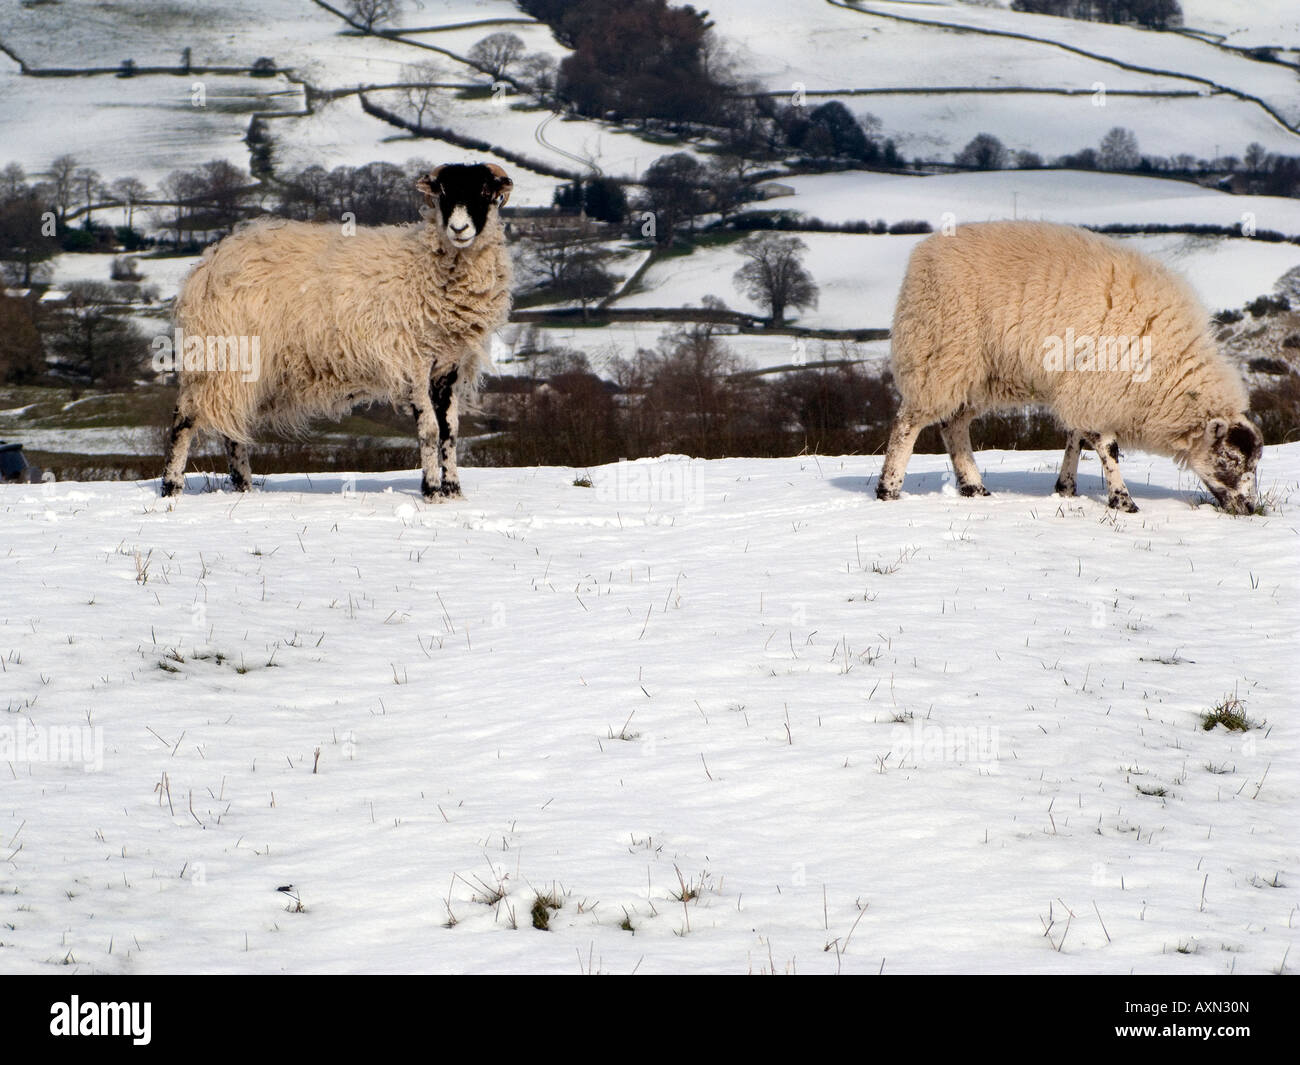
(934, 735)
(1078, 197)
(1273, 83)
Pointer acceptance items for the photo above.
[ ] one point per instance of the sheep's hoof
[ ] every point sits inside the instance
(886, 493)
(1066, 488)
(443, 492)
(171, 488)
(1122, 501)
(973, 490)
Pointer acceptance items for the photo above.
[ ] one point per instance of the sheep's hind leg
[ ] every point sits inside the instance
(956, 438)
(1067, 482)
(241, 476)
(178, 453)
(1107, 448)
(902, 438)
(446, 408)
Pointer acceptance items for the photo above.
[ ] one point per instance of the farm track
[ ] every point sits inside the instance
(539, 135)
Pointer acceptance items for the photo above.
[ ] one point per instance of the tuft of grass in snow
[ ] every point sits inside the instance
(1230, 713)
(623, 733)
(582, 482)
(543, 906)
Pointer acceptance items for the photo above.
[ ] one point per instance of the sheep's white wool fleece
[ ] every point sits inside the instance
(341, 317)
(978, 308)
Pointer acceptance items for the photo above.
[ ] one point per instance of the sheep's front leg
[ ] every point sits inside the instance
(437, 422)
(426, 428)
(902, 438)
(178, 453)
(1107, 448)
(1067, 482)
(956, 438)
(241, 476)
(446, 408)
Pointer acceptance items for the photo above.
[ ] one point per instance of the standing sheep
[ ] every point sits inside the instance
(1009, 314)
(342, 315)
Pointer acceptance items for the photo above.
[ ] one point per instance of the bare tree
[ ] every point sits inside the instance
(89, 185)
(63, 184)
(421, 93)
(547, 252)
(182, 189)
(370, 13)
(13, 182)
(1119, 150)
(222, 189)
(497, 52)
(983, 152)
(24, 244)
(130, 190)
(1256, 157)
(537, 71)
(675, 191)
(22, 355)
(773, 275)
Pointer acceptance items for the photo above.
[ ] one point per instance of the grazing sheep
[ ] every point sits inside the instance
(1009, 314)
(342, 315)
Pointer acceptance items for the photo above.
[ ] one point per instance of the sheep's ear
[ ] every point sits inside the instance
(503, 184)
(428, 185)
(1245, 437)
(1217, 429)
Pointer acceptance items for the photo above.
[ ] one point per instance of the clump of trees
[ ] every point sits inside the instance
(206, 203)
(829, 133)
(691, 394)
(637, 60)
(983, 152)
(601, 199)
(22, 353)
(373, 194)
(567, 264)
(1149, 14)
(89, 338)
(1258, 171)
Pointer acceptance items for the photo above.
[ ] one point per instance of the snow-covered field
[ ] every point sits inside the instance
(1273, 83)
(936, 735)
(859, 276)
(1246, 23)
(145, 126)
(823, 46)
(1077, 197)
(936, 126)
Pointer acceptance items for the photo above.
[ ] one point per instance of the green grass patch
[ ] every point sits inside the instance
(1230, 713)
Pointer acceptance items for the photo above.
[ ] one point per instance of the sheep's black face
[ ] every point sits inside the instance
(464, 197)
(1226, 461)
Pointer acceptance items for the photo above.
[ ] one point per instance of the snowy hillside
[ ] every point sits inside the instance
(935, 735)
